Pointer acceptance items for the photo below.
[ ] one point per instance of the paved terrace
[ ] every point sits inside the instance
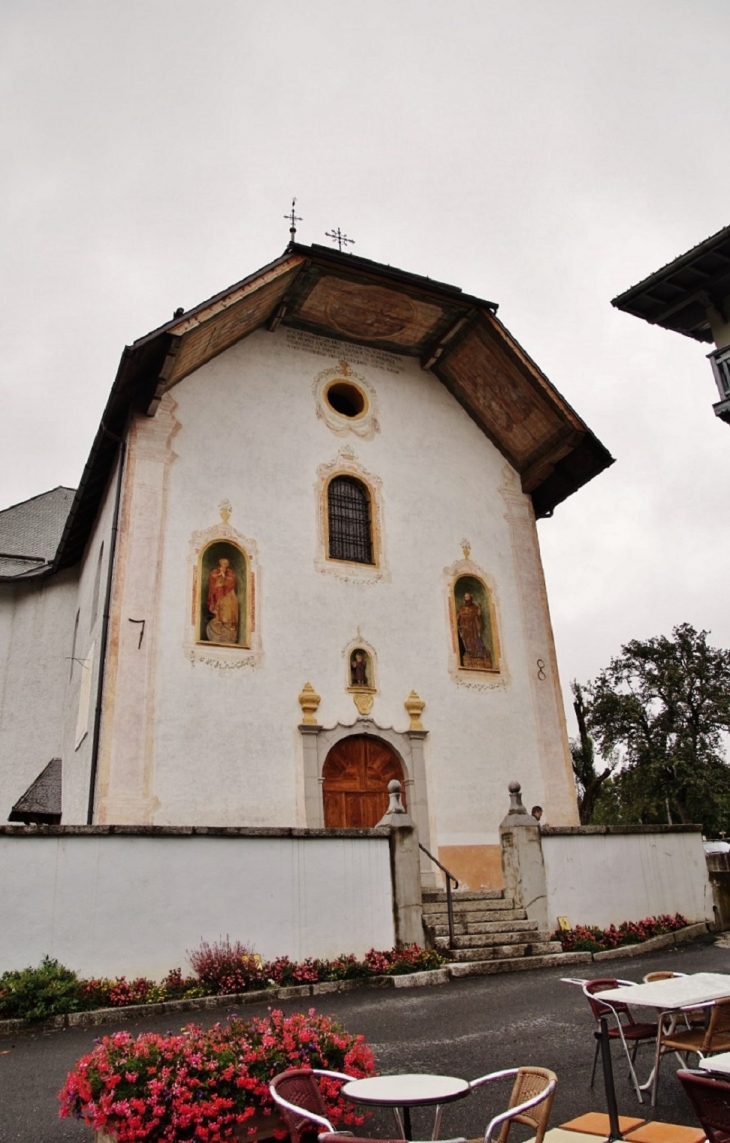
(465, 1028)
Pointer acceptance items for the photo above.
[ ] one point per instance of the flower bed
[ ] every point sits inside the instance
(590, 938)
(222, 968)
(208, 1085)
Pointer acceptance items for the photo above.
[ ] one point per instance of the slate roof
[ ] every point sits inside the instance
(41, 802)
(30, 532)
(676, 296)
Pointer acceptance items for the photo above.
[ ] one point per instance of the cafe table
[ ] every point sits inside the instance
(669, 996)
(402, 1092)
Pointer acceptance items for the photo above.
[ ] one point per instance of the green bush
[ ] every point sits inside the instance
(38, 993)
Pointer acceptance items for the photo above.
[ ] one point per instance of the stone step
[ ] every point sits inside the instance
(465, 895)
(474, 920)
(505, 952)
(522, 930)
(487, 967)
(492, 940)
(441, 916)
(441, 927)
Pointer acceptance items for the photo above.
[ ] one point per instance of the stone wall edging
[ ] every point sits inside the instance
(444, 975)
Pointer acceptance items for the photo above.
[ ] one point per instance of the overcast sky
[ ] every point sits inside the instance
(544, 154)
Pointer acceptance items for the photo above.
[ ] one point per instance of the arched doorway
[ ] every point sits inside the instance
(355, 776)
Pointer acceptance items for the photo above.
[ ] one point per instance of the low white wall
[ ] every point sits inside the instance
(600, 876)
(107, 903)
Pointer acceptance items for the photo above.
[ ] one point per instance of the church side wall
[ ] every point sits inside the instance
(36, 633)
(195, 734)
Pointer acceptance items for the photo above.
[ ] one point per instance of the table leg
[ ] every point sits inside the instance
(399, 1123)
(407, 1123)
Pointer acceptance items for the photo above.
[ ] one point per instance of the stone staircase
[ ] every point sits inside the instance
(491, 933)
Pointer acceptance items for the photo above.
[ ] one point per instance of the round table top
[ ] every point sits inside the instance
(409, 1090)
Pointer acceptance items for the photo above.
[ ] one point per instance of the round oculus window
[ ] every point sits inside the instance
(346, 399)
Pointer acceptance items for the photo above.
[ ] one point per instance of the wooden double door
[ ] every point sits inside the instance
(355, 781)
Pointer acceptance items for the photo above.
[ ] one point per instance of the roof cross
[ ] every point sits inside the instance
(293, 219)
(340, 238)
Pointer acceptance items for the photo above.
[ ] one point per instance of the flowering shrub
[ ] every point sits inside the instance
(201, 1085)
(222, 968)
(226, 967)
(589, 938)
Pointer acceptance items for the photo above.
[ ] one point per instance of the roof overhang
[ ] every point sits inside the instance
(350, 299)
(679, 295)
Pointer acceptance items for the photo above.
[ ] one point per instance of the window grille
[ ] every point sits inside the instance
(348, 506)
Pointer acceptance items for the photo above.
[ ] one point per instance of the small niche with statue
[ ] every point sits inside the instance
(361, 677)
(474, 625)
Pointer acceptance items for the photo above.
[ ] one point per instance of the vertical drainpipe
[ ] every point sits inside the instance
(105, 624)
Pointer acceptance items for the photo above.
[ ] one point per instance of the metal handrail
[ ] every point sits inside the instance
(449, 899)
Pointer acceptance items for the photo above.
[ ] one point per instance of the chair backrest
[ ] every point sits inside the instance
(533, 1086)
(598, 1007)
(299, 1086)
(710, 1099)
(718, 1024)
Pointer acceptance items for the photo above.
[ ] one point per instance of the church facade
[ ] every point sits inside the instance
(302, 561)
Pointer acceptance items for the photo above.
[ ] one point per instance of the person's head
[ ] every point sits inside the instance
(536, 812)
(223, 563)
(467, 597)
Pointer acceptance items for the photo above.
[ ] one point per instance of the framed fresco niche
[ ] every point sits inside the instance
(473, 621)
(222, 629)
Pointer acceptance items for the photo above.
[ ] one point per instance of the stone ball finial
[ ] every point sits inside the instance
(515, 799)
(395, 805)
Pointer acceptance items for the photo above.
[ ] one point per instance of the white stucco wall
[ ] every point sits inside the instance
(606, 878)
(222, 746)
(111, 905)
(36, 630)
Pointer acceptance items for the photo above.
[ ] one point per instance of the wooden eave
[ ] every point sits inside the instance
(354, 300)
(678, 295)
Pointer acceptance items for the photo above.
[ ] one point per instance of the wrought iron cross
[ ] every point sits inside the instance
(340, 238)
(293, 219)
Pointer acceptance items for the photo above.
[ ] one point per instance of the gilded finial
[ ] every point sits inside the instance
(415, 707)
(309, 700)
(466, 548)
(225, 508)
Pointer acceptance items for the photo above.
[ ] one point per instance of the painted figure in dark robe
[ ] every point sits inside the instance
(470, 626)
(359, 670)
(222, 604)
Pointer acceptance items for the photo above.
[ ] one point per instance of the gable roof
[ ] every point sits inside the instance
(30, 531)
(677, 296)
(352, 299)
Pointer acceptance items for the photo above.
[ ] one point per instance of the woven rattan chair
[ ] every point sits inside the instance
(702, 1041)
(623, 1028)
(297, 1094)
(530, 1103)
(710, 1099)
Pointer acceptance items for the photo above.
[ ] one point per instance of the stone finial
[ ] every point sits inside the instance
(225, 508)
(309, 700)
(395, 805)
(466, 548)
(415, 707)
(515, 799)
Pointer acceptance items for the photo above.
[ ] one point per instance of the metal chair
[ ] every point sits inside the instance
(710, 1099)
(625, 1028)
(297, 1094)
(700, 1040)
(530, 1102)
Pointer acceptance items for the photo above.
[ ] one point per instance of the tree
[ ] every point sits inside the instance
(663, 704)
(588, 779)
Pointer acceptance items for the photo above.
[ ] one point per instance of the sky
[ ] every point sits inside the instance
(544, 154)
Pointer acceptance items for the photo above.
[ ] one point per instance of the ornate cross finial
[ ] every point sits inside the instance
(340, 238)
(466, 548)
(344, 369)
(293, 219)
(225, 510)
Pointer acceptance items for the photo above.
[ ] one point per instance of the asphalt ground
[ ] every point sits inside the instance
(465, 1028)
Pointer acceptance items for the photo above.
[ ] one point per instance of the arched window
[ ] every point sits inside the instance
(348, 512)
